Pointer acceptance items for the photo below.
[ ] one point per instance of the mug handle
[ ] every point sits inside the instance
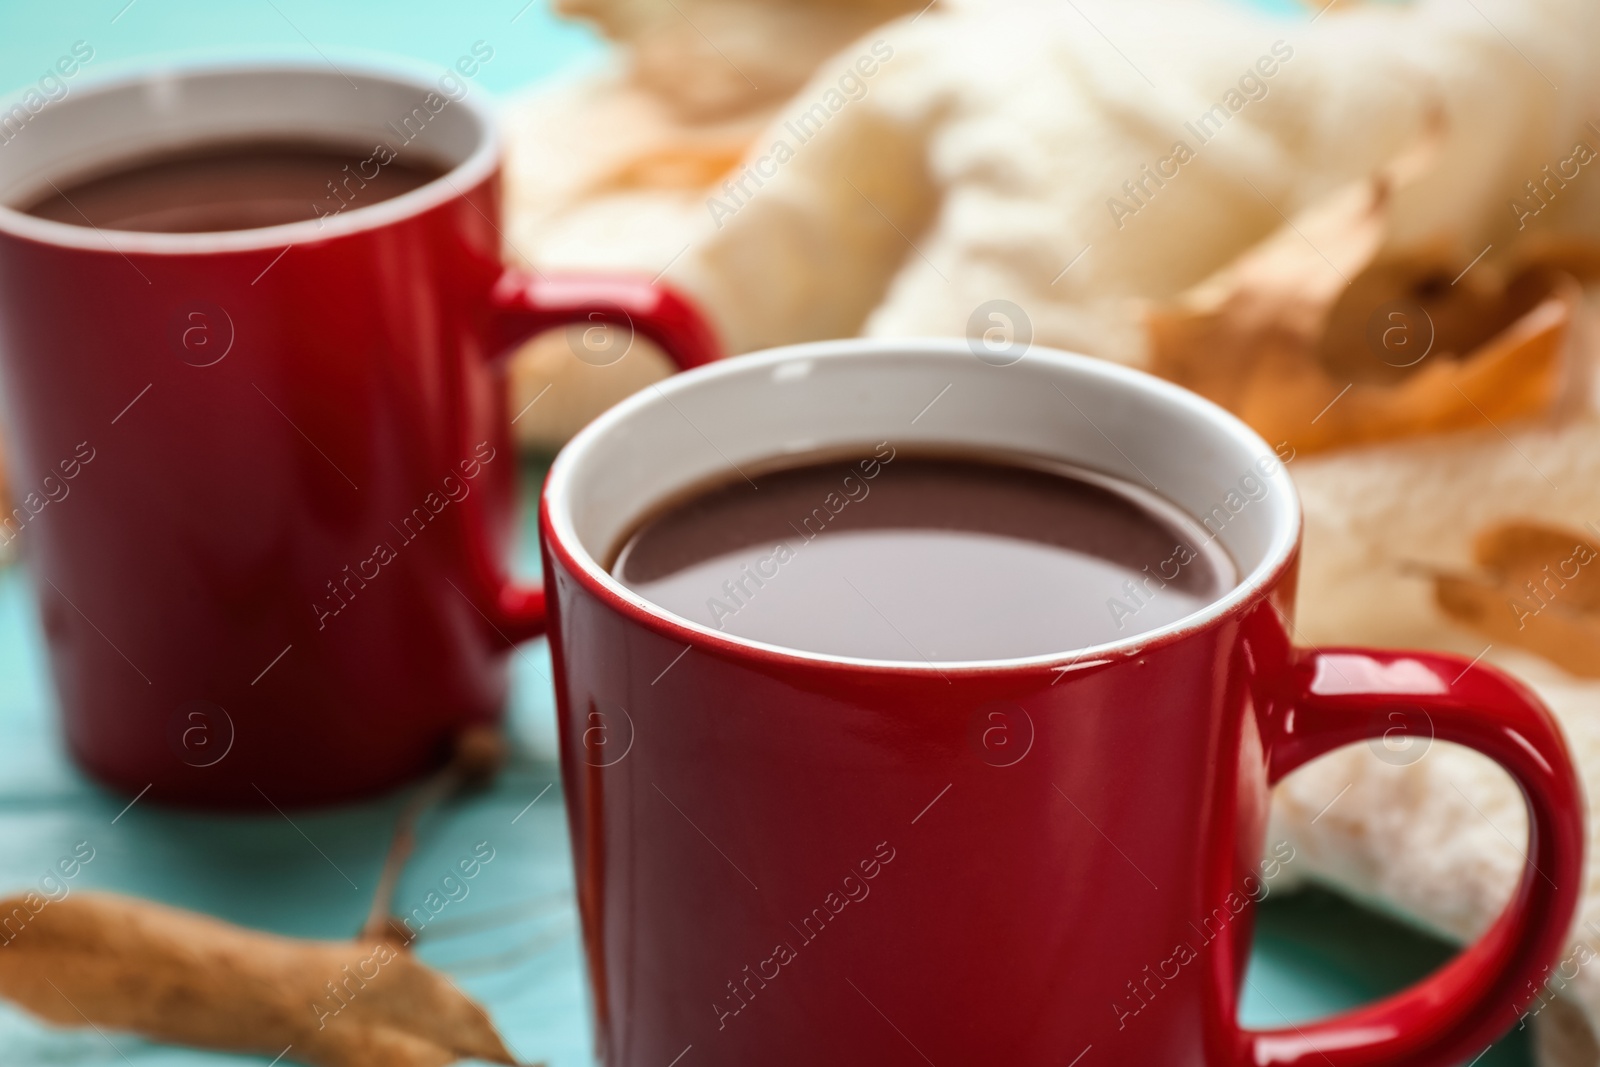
(523, 304)
(1342, 696)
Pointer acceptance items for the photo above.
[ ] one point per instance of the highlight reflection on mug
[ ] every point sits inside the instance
(607, 735)
(1002, 733)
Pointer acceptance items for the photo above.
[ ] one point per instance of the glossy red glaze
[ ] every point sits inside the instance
(783, 860)
(1341, 696)
(220, 546)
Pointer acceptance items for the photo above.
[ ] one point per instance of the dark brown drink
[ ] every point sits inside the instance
(899, 556)
(239, 185)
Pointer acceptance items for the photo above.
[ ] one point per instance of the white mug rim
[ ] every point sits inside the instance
(479, 165)
(560, 485)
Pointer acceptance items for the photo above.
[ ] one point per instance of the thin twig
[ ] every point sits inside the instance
(480, 752)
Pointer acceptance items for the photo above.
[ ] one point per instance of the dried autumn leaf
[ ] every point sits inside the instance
(696, 164)
(1540, 592)
(189, 979)
(181, 977)
(1310, 337)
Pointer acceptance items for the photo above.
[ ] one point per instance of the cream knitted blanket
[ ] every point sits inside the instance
(1049, 171)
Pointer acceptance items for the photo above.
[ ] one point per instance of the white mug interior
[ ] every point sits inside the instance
(100, 125)
(709, 423)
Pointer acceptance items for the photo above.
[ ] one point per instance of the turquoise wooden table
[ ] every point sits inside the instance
(512, 942)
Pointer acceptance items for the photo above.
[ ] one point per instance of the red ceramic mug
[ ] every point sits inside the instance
(263, 477)
(792, 858)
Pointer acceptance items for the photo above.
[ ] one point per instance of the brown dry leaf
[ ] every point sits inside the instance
(1540, 592)
(184, 978)
(1310, 338)
(696, 165)
(176, 976)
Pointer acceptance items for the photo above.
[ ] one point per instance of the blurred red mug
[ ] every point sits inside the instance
(790, 858)
(263, 477)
